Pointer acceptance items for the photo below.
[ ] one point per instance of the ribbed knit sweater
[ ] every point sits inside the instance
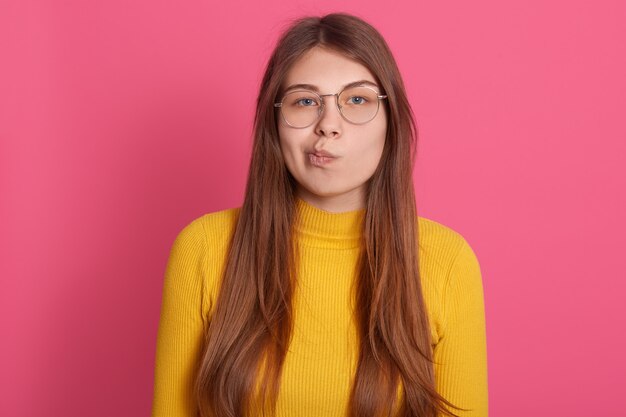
(322, 355)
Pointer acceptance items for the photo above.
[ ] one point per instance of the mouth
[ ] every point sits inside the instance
(321, 158)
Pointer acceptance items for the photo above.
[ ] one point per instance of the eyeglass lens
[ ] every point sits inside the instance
(358, 105)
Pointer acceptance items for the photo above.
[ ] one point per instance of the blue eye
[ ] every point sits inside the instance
(358, 100)
(305, 102)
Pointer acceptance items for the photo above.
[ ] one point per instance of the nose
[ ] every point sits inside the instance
(330, 121)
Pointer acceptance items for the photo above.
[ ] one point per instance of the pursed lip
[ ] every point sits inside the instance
(323, 154)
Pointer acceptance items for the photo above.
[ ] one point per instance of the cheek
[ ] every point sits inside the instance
(289, 149)
(372, 152)
(284, 143)
(370, 157)
(364, 159)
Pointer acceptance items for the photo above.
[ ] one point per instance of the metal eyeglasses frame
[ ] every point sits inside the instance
(323, 104)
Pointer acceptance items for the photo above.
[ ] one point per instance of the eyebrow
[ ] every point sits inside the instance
(314, 88)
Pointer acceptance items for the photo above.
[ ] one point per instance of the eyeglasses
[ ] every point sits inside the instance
(358, 105)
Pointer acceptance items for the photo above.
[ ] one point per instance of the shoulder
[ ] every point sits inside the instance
(198, 254)
(440, 244)
(212, 227)
(205, 237)
(443, 252)
(219, 223)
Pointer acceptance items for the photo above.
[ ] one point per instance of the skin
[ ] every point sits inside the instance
(340, 185)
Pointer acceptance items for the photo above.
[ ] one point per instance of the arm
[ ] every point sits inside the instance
(181, 327)
(461, 353)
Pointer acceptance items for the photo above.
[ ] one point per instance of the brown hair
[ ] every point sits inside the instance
(250, 326)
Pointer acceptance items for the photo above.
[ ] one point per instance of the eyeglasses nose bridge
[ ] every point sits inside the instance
(323, 106)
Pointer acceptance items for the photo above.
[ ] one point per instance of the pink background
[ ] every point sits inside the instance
(121, 121)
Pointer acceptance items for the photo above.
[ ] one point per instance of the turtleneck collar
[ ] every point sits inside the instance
(321, 228)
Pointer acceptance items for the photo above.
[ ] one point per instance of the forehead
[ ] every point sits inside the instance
(327, 70)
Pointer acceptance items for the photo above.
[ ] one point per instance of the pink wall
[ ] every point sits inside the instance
(122, 121)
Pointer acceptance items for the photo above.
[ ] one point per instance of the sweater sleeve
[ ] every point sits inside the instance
(180, 334)
(461, 353)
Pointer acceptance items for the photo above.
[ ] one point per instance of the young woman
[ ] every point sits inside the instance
(324, 294)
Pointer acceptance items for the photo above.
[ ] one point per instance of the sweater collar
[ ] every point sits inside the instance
(321, 228)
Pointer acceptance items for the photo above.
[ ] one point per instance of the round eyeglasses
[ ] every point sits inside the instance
(358, 105)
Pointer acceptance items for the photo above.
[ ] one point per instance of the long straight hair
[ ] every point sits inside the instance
(252, 320)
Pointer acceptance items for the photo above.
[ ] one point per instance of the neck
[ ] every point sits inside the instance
(350, 201)
(320, 228)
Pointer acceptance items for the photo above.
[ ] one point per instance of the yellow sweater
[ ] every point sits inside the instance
(322, 355)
